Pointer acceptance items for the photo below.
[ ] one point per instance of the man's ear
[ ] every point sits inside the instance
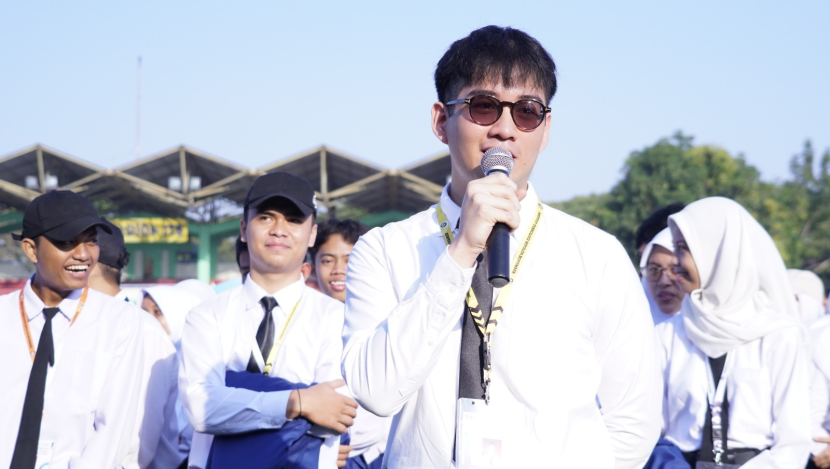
(439, 121)
(30, 249)
(243, 227)
(546, 136)
(313, 236)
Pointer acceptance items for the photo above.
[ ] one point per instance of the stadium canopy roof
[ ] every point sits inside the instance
(184, 181)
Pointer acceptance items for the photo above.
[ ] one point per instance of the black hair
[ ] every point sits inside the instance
(110, 274)
(655, 223)
(494, 54)
(241, 246)
(350, 230)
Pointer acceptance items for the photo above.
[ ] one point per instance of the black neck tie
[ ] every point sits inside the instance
(470, 380)
(265, 334)
(25, 449)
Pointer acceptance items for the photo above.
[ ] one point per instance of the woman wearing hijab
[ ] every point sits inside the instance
(170, 305)
(735, 362)
(663, 292)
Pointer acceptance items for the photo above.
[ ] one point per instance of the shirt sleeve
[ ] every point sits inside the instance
(115, 413)
(391, 346)
(788, 364)
(631, 385)
(210, 406)
(819, 404)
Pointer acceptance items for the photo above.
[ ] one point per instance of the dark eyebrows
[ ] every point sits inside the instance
(482, 91)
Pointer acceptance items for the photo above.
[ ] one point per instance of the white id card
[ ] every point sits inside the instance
(478, 436)
(44, 453)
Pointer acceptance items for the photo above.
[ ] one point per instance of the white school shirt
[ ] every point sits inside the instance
(91, 392)
(767, 384)
(820, 383)
(156, 436)
(219, 335)
(574, 370)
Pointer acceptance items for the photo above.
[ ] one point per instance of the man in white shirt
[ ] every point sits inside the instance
(156, 436)
(572, 373)
(335, 240)
(272, 324)
(70, 384)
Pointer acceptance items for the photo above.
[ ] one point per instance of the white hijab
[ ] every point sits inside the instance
(745, 293)
(174, 303)
(663, 239)
(197, 287)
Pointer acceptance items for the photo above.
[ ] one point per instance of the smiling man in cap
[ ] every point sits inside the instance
(72, 356)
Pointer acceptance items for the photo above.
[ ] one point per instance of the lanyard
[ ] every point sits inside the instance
(486, 330)
(25, 320)
(715, 397)
(272, 356)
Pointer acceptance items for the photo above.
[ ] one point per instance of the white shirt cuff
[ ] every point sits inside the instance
(275, 404)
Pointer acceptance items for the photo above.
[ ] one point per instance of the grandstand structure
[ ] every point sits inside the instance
(179, 204)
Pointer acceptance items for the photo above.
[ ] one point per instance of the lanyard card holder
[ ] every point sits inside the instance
(716, 425)
(479, 436)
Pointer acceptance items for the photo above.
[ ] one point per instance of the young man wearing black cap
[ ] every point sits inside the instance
(70, 382)
(156, 438)
(272, 324)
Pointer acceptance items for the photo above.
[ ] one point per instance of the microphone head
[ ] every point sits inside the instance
(497, 159)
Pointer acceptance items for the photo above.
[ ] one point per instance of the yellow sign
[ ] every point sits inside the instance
(153, 230)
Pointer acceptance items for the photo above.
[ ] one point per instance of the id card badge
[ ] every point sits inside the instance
(44, 453)
(479, 436)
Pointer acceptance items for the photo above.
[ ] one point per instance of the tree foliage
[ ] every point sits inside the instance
(796, 212)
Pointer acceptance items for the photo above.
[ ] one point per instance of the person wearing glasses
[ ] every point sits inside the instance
(659, 280)
(556, 369)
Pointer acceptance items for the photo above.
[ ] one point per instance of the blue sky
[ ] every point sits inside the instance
(253, 82)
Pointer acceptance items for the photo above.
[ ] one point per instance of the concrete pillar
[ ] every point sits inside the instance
(205, 264)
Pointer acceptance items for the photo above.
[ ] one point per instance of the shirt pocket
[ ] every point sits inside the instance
(750, 400)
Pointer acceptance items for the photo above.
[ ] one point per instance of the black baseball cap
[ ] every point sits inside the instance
(112, 251)
(59, 215)
(285, 185)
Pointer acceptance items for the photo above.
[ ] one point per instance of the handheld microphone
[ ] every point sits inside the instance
(498, 160)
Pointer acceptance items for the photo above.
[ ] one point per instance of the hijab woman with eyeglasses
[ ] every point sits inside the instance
(663, 292)
(735, 361)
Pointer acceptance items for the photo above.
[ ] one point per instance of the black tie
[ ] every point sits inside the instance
(470, 381)
(25, 449)
(265, 334)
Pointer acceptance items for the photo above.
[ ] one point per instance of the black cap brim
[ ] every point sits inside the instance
(68, 231)
(303, 208)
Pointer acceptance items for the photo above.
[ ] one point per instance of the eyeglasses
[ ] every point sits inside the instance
(653, 272)
(486, 110)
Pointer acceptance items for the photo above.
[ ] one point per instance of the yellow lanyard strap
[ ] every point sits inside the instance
(472, 302)
(25, 320)
(504, 294)
(272, 356)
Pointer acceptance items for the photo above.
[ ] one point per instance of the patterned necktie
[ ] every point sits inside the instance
(265, 334)
(470, 380)
(25, 449)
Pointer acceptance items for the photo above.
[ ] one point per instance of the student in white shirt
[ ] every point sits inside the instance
(809, 293)
(71, 355)
(227, 332)
(156, 437)
(335, 240)
(573, 380)
(739, 316)
(662, 291)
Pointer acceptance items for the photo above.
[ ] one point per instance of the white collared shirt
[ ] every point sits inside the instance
(767, 384)
(574, 373)
(820, 383)
(93, 389)
(218, 336)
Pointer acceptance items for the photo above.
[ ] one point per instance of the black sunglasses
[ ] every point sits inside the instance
(486, 110)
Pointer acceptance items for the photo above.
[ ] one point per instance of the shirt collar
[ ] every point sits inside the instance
(286, 297)
(34, 305)
(526, 212)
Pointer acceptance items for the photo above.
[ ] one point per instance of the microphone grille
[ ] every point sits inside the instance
(497, 159)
